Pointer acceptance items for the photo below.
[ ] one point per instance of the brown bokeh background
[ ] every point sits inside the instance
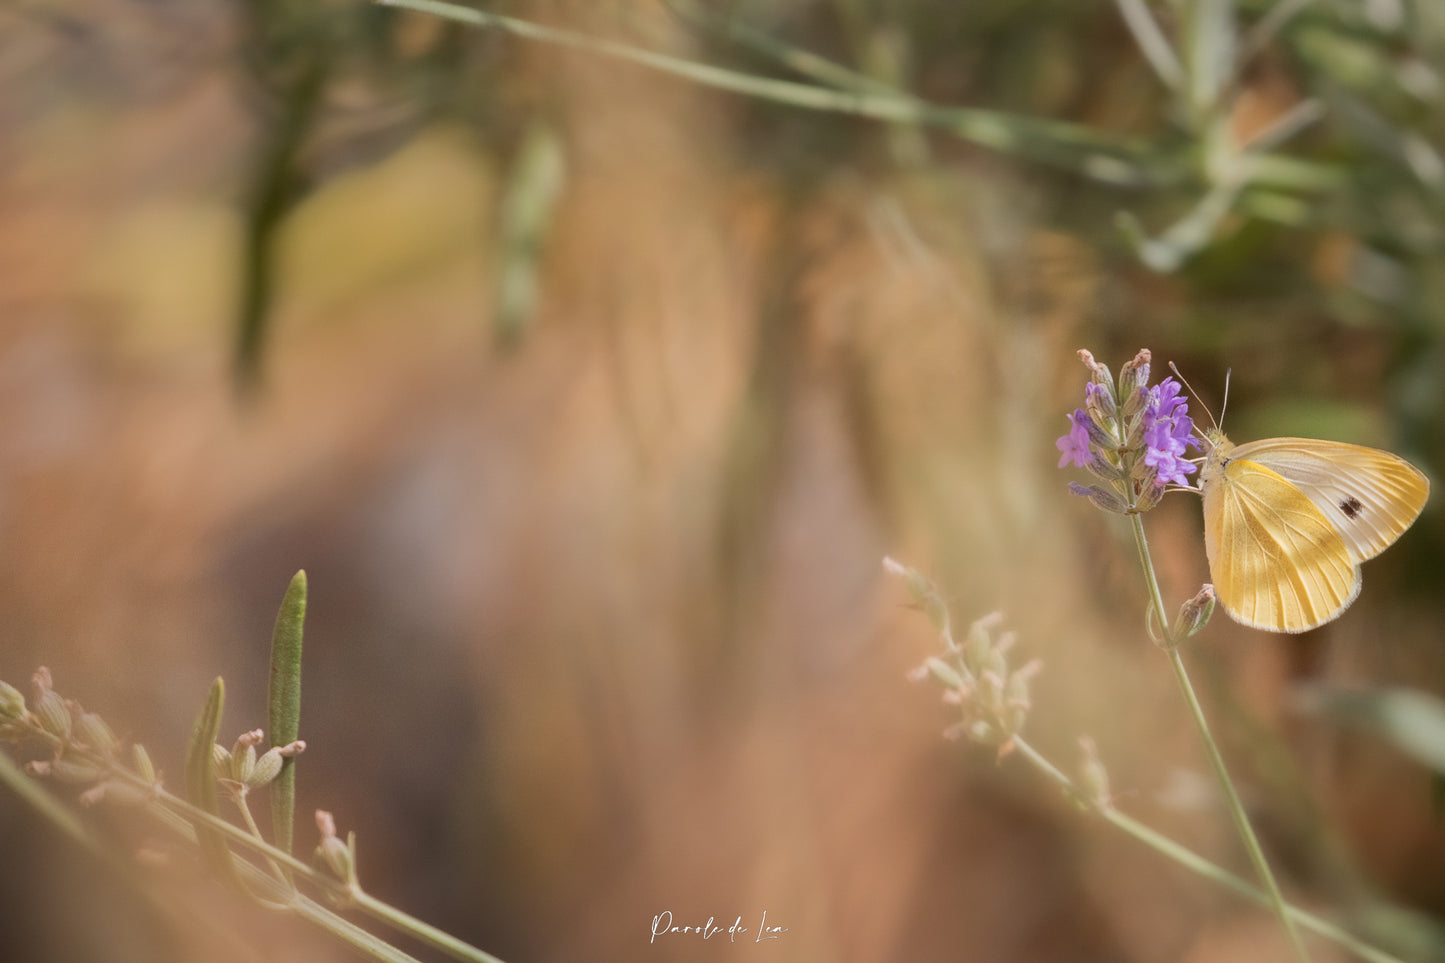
(598, 626)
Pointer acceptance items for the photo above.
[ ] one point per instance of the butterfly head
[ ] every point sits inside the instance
(1216, 454)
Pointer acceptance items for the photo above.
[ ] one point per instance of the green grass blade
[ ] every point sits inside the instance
(1097, 154)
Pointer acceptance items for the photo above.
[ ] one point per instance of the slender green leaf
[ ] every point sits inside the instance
(284, 705)
(528, 206)
(201, 779)
(1152, 42)
(1098, 154)
(805, 63)
(1209, 55)
(1186, 237)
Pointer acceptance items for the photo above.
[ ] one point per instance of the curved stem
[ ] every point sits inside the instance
(1196, 863)
(1235, 806)
(250, 821)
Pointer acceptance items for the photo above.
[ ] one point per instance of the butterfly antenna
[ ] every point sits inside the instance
(1223, 407)
(1201, 400)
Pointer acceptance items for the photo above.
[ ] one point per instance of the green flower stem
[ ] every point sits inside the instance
(255, 831)
(1235, 806)
(190, 822)
(349, 933)
(25, 787)
(424, 932)
(1198, 864)
(187, 816)
(60, 815)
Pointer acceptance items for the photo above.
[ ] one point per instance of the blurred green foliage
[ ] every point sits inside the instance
(1281, 160)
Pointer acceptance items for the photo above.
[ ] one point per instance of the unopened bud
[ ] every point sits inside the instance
(264, 769)
(53, 713)
(1194, 614)
(243, 763)
(978, 645)
(12, 702)
(1100, 404)
(75, 772)
(1150, 492)
(268, 766)
(142, 763)
(921, 591)
(1098, 373)
(337, 857)
(92, 730)
(1099, 497)
(1133, 381)
(945, 673)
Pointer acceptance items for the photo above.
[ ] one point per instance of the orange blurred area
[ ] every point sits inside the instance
(593, 499)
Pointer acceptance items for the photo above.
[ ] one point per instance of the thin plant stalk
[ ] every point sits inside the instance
(1170, 644)
(194, 823)
(1099, 155)
(1198, 864)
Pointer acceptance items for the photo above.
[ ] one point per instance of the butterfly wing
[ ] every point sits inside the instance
(1277, 562)
(1369, 496)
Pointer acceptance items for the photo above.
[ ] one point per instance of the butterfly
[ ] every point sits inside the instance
(1287, 522)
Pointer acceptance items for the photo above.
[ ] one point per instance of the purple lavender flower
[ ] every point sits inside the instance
(1168, 434)
(1169, 467)
(1075, 445)
(1131, 436)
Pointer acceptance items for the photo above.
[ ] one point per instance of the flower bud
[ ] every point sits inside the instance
(12, 702)
(334, 855)
(243, 763)
(264, 769)
(92, 730)
(945, 673)
(1101, 435)
(1134, 378)
(74, 771)
(1194, 614)
(53, 713)
(143, 765)
(1098, 373)
(1150, 492)
(1100, 404)
(977, 646)
(1100, 497)
(921, 591)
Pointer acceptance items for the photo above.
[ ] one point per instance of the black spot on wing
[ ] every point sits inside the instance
(1351, 506)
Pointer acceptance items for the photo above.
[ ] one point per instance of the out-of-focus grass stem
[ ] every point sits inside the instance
(1216, 759)
(1196, 863)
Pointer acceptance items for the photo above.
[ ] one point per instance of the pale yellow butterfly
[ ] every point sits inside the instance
(1287, 522)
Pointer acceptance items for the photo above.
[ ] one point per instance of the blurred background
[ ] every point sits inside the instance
(591, 398)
